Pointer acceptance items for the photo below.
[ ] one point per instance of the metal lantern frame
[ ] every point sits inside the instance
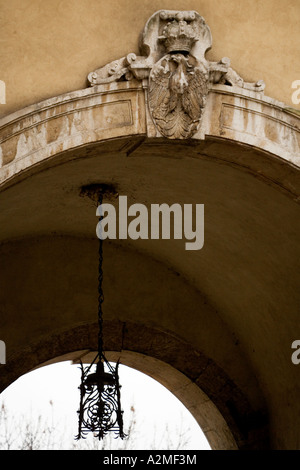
(100, 400)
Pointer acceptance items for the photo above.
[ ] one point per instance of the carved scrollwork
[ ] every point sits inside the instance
(113, 71)
(173, 48)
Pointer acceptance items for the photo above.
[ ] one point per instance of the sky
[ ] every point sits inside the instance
(51, 392)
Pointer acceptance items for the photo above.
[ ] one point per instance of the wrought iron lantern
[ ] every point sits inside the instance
(100, 402)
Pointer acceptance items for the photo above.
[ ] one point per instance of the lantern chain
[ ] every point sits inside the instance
(100, 289)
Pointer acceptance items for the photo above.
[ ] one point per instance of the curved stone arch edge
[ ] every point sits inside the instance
(75, 95)
(278, 173)
(208, 417)
(142, 129)
(220, 408)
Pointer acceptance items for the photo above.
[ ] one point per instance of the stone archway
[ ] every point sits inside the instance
(170, 361)
(219, 309)
(117, 114)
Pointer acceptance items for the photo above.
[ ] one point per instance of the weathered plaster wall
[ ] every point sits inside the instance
(245, 282)
(48, 48)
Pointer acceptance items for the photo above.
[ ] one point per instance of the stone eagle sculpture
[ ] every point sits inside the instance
(178, 77)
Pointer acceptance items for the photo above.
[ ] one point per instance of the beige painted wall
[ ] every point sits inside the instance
(49, 47)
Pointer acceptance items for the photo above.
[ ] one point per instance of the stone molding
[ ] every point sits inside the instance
(170, 91)
(106, 113)
(172, 61)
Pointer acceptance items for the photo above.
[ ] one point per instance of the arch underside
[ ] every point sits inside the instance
(224, 317)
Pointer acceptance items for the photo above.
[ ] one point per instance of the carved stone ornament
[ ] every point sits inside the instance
(173, 47)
